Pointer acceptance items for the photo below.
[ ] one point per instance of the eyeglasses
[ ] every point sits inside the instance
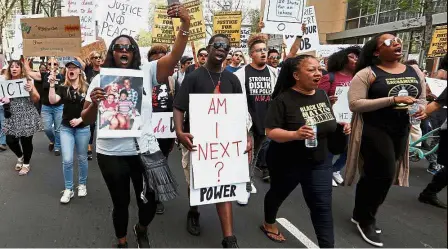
(275, 57)
(259, 50)
(238, 55)
(96, 58)
(223, 45)
(228, 59)
(123, 47)
(390, 42)
(203, 55)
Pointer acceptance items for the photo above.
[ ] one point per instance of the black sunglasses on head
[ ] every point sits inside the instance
(218, 45)
(123, 47)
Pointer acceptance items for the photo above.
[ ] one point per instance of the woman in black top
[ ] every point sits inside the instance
(379, 97)
(290, 162)
(74, 133)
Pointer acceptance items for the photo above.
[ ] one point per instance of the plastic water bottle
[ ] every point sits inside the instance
(412, 110)
(312, 142)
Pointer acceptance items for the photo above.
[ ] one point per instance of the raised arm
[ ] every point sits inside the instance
(28, 71)
(53, 97)
(296, 45)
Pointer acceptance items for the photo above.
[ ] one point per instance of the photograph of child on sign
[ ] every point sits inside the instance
(120, 113)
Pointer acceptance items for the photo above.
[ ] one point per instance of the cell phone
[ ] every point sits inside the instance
(172, 1)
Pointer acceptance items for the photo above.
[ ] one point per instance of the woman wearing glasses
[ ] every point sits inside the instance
(74, 133)
(379, 97)
(118, 157)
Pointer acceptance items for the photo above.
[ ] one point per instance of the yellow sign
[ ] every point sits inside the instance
(197, 24)
(438, 42)
(228, 23)
(162, 30)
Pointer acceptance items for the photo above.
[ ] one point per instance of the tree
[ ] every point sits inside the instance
(6, 8)
(254, 19)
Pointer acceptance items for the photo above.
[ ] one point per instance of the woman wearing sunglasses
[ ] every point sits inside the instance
(118, 157)
(74, 132)
(379, 97)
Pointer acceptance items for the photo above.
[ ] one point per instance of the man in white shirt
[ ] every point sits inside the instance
(179, 76)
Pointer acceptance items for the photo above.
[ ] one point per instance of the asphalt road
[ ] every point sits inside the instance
(31, 215)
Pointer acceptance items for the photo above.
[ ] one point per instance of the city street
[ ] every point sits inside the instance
(31, 215)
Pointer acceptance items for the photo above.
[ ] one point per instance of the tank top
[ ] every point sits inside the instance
(392, 118)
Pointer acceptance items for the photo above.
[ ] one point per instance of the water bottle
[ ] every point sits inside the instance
(412, 110)
(311, 142)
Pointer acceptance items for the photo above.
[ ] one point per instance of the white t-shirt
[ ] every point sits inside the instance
(147, 141)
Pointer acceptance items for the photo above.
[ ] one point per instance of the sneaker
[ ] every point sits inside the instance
(334, 183)
(193, 226)
(377, 229)
(253, 189)
(142, 237)
(433, 168)
(67, 195)
(57, 152)
(3, 147)
(337, 177)
(265, 175)
(160, 209)
(24, 170)
(369, 234)
(244, 199)
(19, 164)
(89, 155)
(230, 242)
(125, 245)
(82, 190)
(51, 147)
(431, 200)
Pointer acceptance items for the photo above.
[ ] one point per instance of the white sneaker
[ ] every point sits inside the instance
(67, 195)
(334, 183)
(82, 190)
(244, 200)
(337, 177)
(19, 164)
(254, 190)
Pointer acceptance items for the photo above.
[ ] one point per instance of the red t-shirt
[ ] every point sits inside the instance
(339, 80)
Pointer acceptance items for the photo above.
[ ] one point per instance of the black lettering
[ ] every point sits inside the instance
(226, 190)
(209, 194)
(7, 88)
(20, 87)
(218, 193)
(203, 191)
(232, 191)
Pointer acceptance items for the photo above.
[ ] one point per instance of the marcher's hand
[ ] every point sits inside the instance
(75, 122)
(97, 95)
(52, 78)
(29, 85)
(261, 25)
(249, 148)
(5, 100)
(347, 128)
(186, 140)
(304, 132)
(178, 10)
(404, 100)
(333, 99)
(303, 28)
(431, 97)
(420, 114)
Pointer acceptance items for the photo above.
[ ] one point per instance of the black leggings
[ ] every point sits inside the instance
(92, 133)
(166, 145)
(439, 181)
(117, 171)
(380, 151)
(26, 150)
(317, 191)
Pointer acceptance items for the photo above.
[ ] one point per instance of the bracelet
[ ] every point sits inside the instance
(184, 33)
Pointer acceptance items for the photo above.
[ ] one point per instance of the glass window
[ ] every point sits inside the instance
(367, 21)
(440, 6)
(353, 9)
(351, 40)
(351, 24)
(386, 17)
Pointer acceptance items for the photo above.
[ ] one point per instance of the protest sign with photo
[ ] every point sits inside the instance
(163, 124)
(283, 16)
(310, 40)
(98, 46)
(341, 108)
(439, 42)
(122, 17)
(13, 89)
(120, 113)
(53, 36)
(197, 24)
(18, 40)
(162, 29)
(85, 10)
(228, 23)
(218, 125)
(436, 85)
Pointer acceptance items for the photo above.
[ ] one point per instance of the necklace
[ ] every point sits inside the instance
(217, 86)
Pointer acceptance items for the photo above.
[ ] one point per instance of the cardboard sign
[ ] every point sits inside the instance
(436, 85)
(283, 16)
(13, 89)
(120, 114)
(228, 23)
(18, 40)
(163, 125)
(438, 42)
(85, 10)
(341, 108)
(218, 125)
(53, 36)
(122, 17)
(98, 46)
(310, 40)
(162, 30)
(197, 24)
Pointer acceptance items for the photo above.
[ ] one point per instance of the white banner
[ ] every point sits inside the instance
(163, 125)
(326, 50)
(245, 33)
(283, 16)
(18, 39)
(341, 108)
(218, 125)
(13, 89)
(436, 85)
(122, 17)
(310, 40)
(85, 10)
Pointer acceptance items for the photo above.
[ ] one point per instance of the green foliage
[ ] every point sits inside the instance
(254, 19)
(144, 38)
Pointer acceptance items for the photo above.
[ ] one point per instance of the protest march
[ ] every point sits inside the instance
(231, 112)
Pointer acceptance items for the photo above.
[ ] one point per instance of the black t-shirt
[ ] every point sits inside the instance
(44, 85)
(190, 69)
(395, 118)
(258, 91)
(289, 111)
(441, 100)
(90, 73)
(73, 104)
(199, 82)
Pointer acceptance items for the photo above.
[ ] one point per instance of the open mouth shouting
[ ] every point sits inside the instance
(124, 59)
(398, 51)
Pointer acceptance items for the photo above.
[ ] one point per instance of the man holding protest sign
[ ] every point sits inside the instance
(211, 78)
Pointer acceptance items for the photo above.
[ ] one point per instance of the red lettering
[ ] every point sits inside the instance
(237, 147)
(212, 150)
(225, 150)
(215, 108)
(212, 106)
(224, 104)
(160, 128)
(216, 129)
(201, 149)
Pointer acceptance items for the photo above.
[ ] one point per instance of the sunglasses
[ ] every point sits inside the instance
(123, 48)
(238, 55)
(55, 65)
(259, 50)
(274, 57)
(223, 45)
(390, 42)
(96, 58)
(203, 55)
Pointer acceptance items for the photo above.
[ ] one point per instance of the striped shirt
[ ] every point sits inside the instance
(125, 106)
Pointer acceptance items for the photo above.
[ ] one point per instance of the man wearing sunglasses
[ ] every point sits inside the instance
(202, 56)
(236, 61)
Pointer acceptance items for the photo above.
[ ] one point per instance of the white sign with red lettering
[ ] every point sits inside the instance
(163, 125)
(218, 125)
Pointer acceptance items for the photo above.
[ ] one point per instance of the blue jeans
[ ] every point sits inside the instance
(71, 137)
(52, 115)
(2, 124)
(340, 162)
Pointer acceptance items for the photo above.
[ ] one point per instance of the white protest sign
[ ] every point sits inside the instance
(85, 10)
(218, 125)
(216, 194)
(436, 85)
(325, 50)
(13, 89)
(340, 108)
(283, 16)
(245, 33)
(310, 40)
(18, 39)
(122, 17)
(163, 124)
